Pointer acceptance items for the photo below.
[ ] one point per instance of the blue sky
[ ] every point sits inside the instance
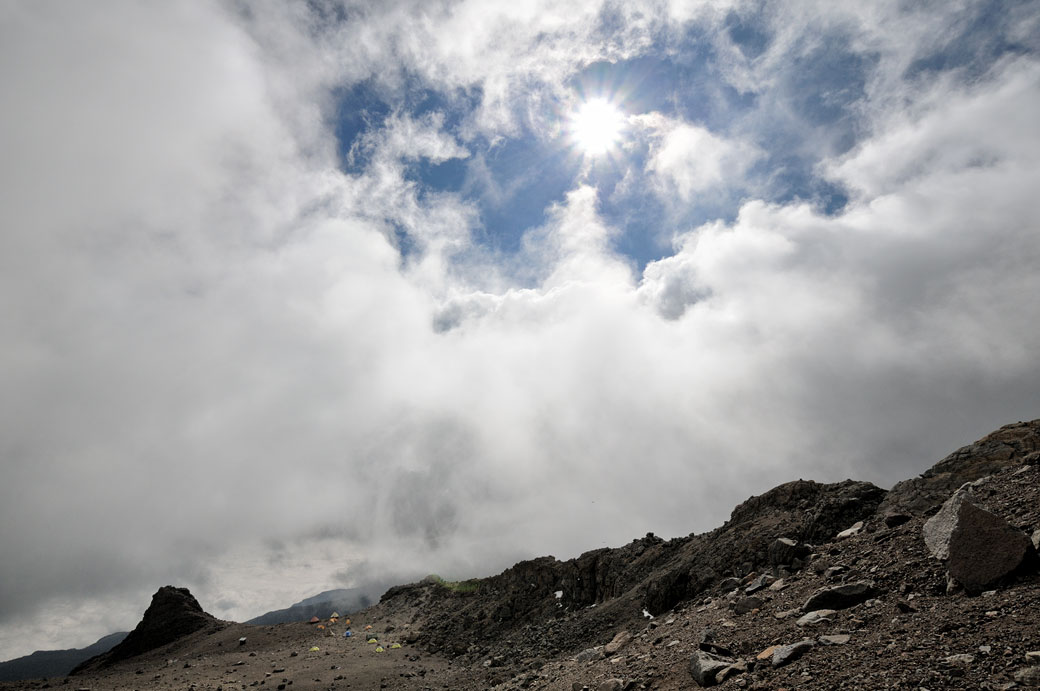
(341, 279)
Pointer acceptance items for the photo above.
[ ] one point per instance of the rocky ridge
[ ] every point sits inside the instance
(173, 614)
(814, 586)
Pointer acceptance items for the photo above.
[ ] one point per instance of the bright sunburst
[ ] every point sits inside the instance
(596, 126)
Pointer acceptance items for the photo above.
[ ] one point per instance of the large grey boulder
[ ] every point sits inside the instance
(979, 548)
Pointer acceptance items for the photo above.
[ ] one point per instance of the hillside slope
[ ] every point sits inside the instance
(809, 585)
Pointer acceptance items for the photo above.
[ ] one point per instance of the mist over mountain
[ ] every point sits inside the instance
(56, 663)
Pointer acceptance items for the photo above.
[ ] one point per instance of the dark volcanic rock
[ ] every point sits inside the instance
(840, 597)
(173, 614)
(784, 552)
(705, 666)
(786, 654)
(1008, 446)
(979, 548)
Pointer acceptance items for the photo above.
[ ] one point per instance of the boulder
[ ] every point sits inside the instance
(738, 667)
(784, 551)
(727, 584)
(979, 548)
(705, 667)
(1028, 675)
(618, 642)
(835, 639)
(813, 618)
(747, 604)
(763, 581)
(786, 654)
(894, 518)
(855, 529)
(840, 597)
(589, 654)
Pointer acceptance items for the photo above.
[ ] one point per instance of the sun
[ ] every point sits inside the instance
(596, 126)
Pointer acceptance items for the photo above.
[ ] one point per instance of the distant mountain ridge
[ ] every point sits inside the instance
(342, 600)
(56, 663)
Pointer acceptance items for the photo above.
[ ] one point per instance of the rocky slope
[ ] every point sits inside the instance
(809, 585)
(173, 614)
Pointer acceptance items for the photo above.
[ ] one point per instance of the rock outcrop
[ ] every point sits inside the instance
(1010, 445)
(172, 614)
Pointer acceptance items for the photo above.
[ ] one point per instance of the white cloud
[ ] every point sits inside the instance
(687, 159)
(194, 298)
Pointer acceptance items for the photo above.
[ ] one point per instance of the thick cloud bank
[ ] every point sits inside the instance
(296, 296)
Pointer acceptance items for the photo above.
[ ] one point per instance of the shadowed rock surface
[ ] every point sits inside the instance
(173, 614)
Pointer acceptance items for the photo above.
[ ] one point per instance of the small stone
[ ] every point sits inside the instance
(778, 585)
(618, 642)
(1033, 656)
(815, 617)
(767, 653)
(739, 667)
(833, 572)
(835, 639)
(985, 649)
(747, 604)
(787, 552)
(727, 584)
(856, 529)
(840, 597)
(590, 654)
(894, 519)
(1028, 675)
(759, 583)
(705, 667)
(787, 654)
(962, 659)
(612, 685)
